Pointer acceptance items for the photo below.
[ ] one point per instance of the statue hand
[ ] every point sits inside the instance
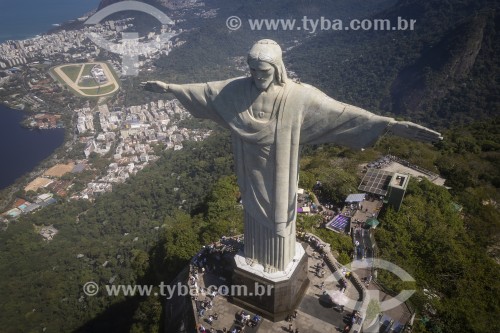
(155, 86)
(413, 131)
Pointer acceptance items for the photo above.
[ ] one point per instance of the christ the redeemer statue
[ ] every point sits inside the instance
(269, 117)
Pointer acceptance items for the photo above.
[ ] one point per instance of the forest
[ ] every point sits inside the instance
(148, 229)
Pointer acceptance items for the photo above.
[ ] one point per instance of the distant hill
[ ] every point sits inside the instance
(444, 71)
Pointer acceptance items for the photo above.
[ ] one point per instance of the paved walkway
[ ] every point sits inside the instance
(316, 313)
(400, 313)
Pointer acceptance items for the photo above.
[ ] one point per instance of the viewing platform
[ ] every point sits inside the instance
(315, 313)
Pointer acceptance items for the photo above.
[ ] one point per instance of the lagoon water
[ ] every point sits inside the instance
(21, 149)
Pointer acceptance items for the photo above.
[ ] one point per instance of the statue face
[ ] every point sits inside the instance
(262, 73)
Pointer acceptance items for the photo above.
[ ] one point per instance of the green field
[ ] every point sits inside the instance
(87, 69)
(72, 71)
(88, 83)
(97, 91)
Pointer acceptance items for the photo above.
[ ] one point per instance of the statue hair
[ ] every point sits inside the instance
(269, 51)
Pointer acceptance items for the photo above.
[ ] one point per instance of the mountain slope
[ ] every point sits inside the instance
(443, 71)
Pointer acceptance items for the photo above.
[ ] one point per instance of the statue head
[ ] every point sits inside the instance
(266, 64)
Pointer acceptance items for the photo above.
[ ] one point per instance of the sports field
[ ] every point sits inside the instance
(79, 78)
(59, 170)
(35, 184)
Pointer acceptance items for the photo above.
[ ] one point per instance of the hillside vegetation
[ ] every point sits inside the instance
(443, 74)
(190, 197)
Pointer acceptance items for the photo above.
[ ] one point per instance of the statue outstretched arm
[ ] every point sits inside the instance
(162, 87)
(409, 130)
(183, 92)
(327, 120)
(195, 97)
(155, 86)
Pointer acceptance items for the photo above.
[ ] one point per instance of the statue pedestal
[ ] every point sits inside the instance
(272, 295)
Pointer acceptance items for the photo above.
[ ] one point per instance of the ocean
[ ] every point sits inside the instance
(21, 19)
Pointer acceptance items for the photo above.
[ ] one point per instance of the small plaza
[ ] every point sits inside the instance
(315, 313)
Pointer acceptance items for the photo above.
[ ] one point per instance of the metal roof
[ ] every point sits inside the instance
(358, 197)
(376, 181)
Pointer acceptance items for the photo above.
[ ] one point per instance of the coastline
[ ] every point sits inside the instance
(15, 182)
(19, 29)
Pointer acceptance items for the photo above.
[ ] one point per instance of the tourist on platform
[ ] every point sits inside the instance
(368, 280)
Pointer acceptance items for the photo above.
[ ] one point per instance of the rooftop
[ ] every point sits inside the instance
(400, 180)
(376, 181)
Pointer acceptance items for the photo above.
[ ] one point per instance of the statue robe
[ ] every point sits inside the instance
(266, 152)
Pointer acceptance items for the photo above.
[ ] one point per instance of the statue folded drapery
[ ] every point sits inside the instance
(270, 117)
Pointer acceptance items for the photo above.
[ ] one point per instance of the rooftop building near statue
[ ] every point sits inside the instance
(390, 185)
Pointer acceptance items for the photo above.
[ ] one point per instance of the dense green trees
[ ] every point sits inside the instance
(148, 229)
(336, 168)
(224, 213)
(180, 241)
(136, 234)
(428, 237)
(448, 250)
